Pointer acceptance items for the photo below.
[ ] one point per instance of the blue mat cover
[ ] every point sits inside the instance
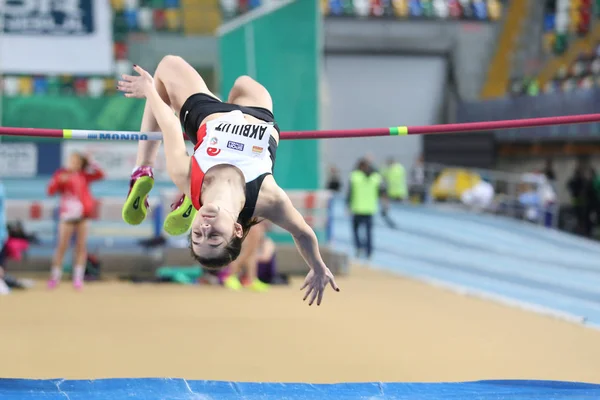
(176, 389)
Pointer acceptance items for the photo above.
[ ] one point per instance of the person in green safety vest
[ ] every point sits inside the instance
(364, 191)
(394, 175)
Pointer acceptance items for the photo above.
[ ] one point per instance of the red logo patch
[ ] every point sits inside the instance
(212, 151)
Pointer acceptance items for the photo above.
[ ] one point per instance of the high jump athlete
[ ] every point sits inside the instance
(228, 180)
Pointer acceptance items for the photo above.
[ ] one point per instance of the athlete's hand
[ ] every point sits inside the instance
(136, 86)
(315, 283)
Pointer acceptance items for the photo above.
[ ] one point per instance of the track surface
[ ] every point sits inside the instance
(380, 327)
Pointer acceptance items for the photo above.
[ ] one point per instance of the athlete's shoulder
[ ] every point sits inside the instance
(269, 197)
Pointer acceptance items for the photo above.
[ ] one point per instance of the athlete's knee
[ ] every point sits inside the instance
(244, 80)
(243, 87)
(170, 62)
(245, 83)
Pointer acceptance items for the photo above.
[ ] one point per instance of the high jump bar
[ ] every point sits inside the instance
(74, 134)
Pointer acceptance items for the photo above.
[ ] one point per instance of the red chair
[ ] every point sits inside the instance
(455, 9)
(377, 8)
(159, 19)
(120, 50)
(583, 27)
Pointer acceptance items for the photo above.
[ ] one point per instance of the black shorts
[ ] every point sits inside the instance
(200, 105)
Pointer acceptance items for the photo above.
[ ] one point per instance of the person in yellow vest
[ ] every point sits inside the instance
(395, 180)
(364, 192)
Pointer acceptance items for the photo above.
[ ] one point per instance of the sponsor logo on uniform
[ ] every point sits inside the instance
(213, 141)
(235, 145)
(257, 149)
(212, 151)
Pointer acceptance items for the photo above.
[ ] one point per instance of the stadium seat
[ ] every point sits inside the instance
(494, 9)
(144, 19)
(484, 10)
(415, 8)
(10, 86)
(401, 8)
(229, 8)
(40, 85)
(95, 87)
(204, 16)
(455, 9)
(362, 8)
(441, 9)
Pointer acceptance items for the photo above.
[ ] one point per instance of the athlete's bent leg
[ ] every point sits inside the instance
(180, 81)
(175, 81)
(249, 93)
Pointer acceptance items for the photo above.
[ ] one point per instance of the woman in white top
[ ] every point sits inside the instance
(228, 180)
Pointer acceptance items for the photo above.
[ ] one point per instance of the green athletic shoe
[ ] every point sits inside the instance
(180, 219)
(136, 206)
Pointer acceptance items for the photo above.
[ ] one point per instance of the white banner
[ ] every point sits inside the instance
(56, 37)
(117, 160)
(18, 160)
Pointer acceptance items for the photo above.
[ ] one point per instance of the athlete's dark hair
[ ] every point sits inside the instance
(229, 253)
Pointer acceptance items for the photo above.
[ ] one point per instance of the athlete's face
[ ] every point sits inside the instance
(75, 162)
(212, 229)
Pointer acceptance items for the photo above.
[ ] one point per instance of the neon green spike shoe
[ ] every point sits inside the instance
(136, 206)
(258, 286)
(179, 221)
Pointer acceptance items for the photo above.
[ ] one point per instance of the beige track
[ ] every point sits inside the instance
(379, 327)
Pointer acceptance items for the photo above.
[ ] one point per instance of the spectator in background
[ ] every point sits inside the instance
(267, 261)
(334, 182)
(370, 160)
(395, 180)
(3, 238)
(549, 170)
(362, 201)
(76, 206)
(529, 200)
(417, 179)
(537, 198)
(480, 197)
(583, 197)
(596, 192)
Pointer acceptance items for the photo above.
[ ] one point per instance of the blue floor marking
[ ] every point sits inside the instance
(593, 297)
(181, 389)
(506, 258)
(543, 235)
(427, 271)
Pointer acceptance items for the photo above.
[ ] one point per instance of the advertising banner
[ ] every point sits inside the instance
(18, 160)
(117, 159)
(56, 37)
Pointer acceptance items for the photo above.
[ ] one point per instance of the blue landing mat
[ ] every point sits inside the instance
(175, 389)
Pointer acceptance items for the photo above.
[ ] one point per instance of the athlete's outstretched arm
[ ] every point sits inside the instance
(178, 161)
(284, 214)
